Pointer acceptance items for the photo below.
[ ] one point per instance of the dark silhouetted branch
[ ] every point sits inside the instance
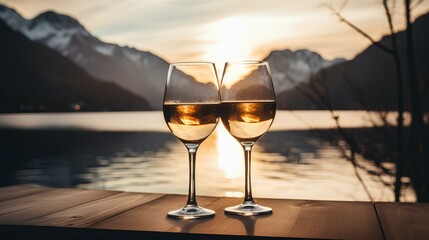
(416, 4)
(400, 102)
(419, 145)
(360, 31)
(316, 96)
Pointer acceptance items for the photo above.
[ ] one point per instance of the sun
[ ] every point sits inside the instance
(227, 41)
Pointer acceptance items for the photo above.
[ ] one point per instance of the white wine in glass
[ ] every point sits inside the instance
(191, 111)
(248, 109)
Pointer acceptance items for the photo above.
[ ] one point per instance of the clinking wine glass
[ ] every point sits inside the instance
(248, 108)
(191, 111)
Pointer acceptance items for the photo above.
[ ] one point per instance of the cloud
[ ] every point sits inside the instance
(176, 28)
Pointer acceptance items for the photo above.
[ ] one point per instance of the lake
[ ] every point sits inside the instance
(134, 151)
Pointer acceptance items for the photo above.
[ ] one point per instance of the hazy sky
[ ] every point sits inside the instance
(225, 30)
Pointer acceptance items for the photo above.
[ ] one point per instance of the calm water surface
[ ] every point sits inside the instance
(134, 151)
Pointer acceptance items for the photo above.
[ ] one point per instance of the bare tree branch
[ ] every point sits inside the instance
(343, 5)
(326, 102)
(382, 115)
(420, 146)
(360, 31)
(316, 94)
(389, 17)
(400, 158)
(416, 4)
(356, 165)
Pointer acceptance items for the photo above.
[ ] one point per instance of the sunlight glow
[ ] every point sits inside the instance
(199, 72)
(236, 74)
(228, 41)
(201, 28)
(231, 159)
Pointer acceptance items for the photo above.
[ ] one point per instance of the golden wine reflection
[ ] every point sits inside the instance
(185, 115)
(248, 110)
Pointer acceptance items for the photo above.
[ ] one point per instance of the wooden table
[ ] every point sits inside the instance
(29, 212)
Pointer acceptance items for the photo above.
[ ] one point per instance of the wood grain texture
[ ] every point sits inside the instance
(16, 191)
(293, 219)
(404, 220)
(152, 216)
(337, 220)
(290, 218)
(90, 213)
(277, 224)
(17, 211)
(26, 232)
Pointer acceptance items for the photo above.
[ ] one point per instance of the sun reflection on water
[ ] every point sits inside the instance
(230, 159)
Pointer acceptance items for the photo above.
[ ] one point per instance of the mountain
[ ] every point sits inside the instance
(37, 78)
(140, 72)
(289, 68)
(368, 81)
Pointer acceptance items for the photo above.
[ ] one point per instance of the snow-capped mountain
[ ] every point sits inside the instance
(289, 68)
(140, 72)
(54, 30)
(12, 18)
(36, 78)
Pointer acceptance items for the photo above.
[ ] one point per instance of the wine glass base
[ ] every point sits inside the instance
(191, 212)
(248, 209)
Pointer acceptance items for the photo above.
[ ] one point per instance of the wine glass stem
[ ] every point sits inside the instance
(247, 146)
(192, 151)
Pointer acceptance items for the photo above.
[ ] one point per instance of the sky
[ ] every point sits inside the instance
(226, 30)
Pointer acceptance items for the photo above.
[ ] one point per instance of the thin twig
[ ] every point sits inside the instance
(389, 17)
(400, 158)
(416, 4)
(360, 31)
(327, 104)
(356, 166)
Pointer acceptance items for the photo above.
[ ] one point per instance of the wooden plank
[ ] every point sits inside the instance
(16, 191)
(337, 220)
(404, 220)
(291, 218)
(278, 224)
(144, 215)
(16, 211)
(152, 216)
(90, 213)
(10, 232)
(295, 219)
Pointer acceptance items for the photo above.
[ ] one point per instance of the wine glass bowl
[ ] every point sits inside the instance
(248, 121)
(191, 111)
(191, 123)
(248, 107)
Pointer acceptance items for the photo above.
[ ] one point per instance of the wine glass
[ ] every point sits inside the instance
(191, 111)
(248, 107)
